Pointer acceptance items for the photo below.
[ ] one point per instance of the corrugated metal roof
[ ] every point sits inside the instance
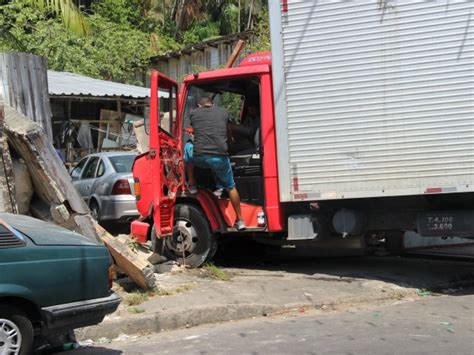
(69, 84)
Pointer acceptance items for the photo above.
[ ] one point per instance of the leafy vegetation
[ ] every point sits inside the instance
(114, 39)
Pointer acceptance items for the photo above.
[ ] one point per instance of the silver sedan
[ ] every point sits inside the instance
(105, 181)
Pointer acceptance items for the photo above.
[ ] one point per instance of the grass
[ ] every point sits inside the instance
(133, 244)
(215, 272)
(136, 297)
(173, 291)
(136, 310)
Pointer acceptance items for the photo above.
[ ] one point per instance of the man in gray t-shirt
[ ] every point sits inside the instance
(210, 129)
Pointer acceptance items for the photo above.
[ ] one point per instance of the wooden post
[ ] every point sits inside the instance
(233, 57)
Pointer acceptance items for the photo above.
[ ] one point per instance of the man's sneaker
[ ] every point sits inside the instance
(193, 189)
(218, 193)
(240, 225)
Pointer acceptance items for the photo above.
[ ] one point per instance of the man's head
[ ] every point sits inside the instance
(205, 101)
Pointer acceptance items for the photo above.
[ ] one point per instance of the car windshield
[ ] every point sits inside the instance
(122, 163)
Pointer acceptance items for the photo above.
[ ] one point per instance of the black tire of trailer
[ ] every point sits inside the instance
(192, 225)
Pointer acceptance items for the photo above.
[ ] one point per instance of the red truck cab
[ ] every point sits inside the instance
(184, 226)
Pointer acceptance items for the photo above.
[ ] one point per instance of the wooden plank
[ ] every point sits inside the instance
(235, 54)
(132, 262)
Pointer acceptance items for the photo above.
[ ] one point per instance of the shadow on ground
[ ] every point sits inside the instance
(435, 274)
(96, 350)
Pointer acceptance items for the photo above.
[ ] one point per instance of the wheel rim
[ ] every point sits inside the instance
(184, 240)
(10, 338)
(95, 212)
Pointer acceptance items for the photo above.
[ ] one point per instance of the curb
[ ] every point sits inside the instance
(112, 327)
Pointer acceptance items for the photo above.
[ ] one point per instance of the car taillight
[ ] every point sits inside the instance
(137, 189)
(121, 187)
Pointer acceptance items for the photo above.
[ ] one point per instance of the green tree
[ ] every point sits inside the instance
(69, 13)
(113, 50)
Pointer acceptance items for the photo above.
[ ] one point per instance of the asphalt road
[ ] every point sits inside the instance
(432, 325)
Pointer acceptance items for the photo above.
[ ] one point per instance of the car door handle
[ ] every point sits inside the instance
(88, 187)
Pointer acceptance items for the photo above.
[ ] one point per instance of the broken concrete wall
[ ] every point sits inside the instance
(51, 181)
(23, 186)
(7, 183)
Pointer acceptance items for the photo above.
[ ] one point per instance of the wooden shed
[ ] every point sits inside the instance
(206, 55)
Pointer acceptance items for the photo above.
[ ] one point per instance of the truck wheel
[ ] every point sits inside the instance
(16, 332)
(192, 243)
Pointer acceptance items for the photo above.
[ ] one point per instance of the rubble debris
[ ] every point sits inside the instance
(37, 179)
(7, 183)
(131, 262)
(23, 185)
(51, 181)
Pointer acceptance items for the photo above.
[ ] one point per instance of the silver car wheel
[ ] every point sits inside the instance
(10, 338)
(94, 211)
(184, 238)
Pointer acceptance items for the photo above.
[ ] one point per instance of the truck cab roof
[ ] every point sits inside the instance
(255, 63)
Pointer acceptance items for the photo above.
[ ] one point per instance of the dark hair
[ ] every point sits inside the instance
(205, 101)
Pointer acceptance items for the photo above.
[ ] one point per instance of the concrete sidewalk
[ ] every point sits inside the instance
(195, 298)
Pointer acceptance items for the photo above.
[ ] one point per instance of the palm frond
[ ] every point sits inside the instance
(70, 14)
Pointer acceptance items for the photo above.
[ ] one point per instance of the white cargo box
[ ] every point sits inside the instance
(373, 98)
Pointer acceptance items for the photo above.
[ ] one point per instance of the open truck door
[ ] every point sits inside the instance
(159, 172)
(165, 151)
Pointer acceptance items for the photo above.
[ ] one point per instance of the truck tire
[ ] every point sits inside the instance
(192, 233)
(16, 331)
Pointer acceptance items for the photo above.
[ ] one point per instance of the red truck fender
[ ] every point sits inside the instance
(211, 210)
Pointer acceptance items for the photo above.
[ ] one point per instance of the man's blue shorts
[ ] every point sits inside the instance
(220, 166)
